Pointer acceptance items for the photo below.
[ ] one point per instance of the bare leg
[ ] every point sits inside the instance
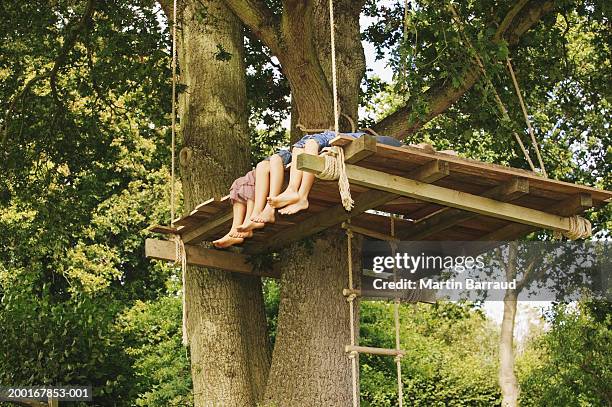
(239, 210)
(262, 188)
(312, 147)
(277, 173)
(249, 210)
(290, 195)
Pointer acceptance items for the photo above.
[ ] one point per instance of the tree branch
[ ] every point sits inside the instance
(260, 20)
(441, 96)
(69, 42)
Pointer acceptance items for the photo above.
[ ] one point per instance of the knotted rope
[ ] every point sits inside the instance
(351, 300)
(579, 228)
(396, 317)
(335, 169)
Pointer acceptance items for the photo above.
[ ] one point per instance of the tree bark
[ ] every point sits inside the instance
(507, 378)
(309, 365)
(226, 324)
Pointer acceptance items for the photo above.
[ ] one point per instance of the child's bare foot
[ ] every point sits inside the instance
(241, 235)
(266, 216)
(300, 205)
(249, 225)
(227, 241)
(288, 197)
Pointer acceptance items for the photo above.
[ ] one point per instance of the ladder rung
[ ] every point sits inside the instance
(374, 351)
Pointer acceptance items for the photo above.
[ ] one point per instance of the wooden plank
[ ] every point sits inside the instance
(337, 214)
(200, 256)
(359, 148)
(198, 233)
(476, 168)
(571, 206)
(374, 351)
(444, 196)
(443, 220)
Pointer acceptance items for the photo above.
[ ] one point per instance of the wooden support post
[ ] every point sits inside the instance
(374, 351)
(507, 192)
(574, 204)
(337, 214)
(200, 256)
(359, 149)
(440, 195)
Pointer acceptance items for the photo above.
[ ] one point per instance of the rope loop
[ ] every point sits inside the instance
(398, 358)
(579, 228)
(351, 297)
(353, 354)
(335, 169)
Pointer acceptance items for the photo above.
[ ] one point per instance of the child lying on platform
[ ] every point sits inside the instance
(255, 196)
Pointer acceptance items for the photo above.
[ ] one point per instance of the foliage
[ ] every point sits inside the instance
(450, 356)
(573, 366)
(153, 339)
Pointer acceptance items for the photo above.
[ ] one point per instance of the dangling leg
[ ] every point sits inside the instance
(249, 210)
(312, 147)
(239, 209)
(290, 195)
(262, 187)
(277, 173)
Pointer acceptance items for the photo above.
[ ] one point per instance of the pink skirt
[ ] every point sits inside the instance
(243, 188)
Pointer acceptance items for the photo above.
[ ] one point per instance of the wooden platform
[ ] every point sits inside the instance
(438, 196)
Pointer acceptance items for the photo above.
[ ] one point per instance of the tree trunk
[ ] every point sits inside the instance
(507, 378)
(309, 365)
(230, 354)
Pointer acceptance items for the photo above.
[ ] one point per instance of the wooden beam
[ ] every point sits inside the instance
(167, 230)
(570, 206)
(198, 234)
(368, 232)
(443, 196)
(200, 256)
(359, 148)
(431, 172)
(506, 192)
(337, 214)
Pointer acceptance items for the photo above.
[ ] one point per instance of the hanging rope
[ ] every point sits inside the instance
(335, 169)
(396, 316)
(333, 61)
(524, 109)
(181, 254)
(497, 98)
(172, 188)
(181, 257)
(351, 300)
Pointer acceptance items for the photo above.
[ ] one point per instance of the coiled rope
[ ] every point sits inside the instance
(335, 169)
(579, 228)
